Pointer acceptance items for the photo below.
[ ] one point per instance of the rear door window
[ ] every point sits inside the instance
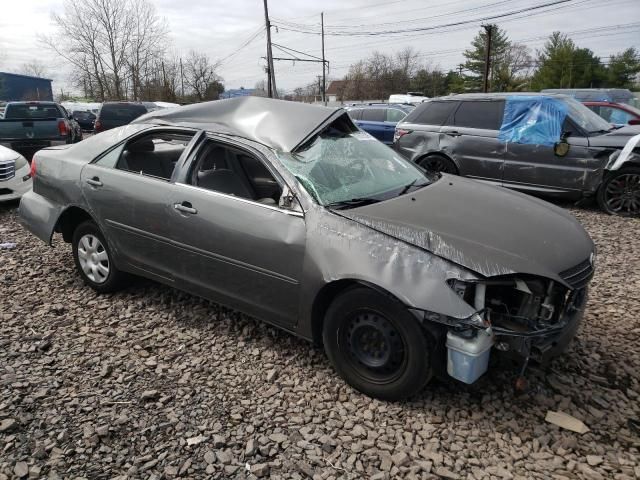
(432, 113)
(355, 113)
(395, 115)
(32, 112)
(615, 115)
(374, 115)
(122, 113)
(486, 115)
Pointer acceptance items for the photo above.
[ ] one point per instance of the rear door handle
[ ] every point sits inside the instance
(185, 207)
(453, 133)
(94, 182)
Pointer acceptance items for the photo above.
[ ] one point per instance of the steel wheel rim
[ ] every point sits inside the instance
(622, 194)
(436, 164)
(93, 258)
(374, 346)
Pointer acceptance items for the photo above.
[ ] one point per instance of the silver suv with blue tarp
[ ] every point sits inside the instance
(537, 143)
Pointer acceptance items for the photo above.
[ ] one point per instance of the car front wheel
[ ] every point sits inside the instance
(94, 260)
(376, 345)
(619, 194)
(438, 163)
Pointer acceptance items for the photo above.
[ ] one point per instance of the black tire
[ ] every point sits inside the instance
(438, 163)
(619, 193)
(101, 282)
(376, 345)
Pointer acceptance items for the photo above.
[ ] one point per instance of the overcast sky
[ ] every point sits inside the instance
(219, 27)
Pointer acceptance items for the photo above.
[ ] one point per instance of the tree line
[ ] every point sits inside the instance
(118, 50)
(560, 63)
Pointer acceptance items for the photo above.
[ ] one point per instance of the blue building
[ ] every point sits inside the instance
(237, 92)
(15, 87)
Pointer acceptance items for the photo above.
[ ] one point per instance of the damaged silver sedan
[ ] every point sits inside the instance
(289, 213)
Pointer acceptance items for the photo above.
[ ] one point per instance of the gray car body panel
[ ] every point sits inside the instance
(275, 261)
(282, 126)
(531, 168)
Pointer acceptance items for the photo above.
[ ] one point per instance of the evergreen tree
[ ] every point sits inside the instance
(623, 68)
(477, 53)
(562, 65)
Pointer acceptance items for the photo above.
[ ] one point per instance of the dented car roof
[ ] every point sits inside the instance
(278, 124)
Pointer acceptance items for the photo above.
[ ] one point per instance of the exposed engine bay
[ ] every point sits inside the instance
(523, 316)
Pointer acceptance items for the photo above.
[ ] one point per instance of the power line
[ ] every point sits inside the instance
(436, 27)
(245, 44)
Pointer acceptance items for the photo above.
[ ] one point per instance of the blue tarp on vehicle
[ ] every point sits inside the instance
(532, 120)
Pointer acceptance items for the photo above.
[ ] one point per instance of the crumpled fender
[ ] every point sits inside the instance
(39, 215)
(620, 157)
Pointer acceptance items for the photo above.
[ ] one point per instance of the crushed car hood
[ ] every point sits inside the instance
(489, 230)
(278, 124)
(615, 138)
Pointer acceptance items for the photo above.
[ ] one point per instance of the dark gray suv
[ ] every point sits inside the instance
(537, 143)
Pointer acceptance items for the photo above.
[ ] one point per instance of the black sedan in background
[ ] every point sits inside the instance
(84, 119)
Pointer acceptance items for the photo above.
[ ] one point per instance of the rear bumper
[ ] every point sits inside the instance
(16, 187)
(39, 215)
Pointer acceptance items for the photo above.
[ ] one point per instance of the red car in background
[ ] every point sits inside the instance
(616, 113)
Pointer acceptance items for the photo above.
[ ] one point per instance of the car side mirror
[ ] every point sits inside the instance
(634, 121)
(561, 148)
(289, 201)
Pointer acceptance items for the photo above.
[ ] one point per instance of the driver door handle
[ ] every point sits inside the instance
(94, 182)
(453, 133)
(185, 207)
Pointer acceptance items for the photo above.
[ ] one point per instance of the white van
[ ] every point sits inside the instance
(410, 97)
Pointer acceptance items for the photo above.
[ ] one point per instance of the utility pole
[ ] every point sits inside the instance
(487, 59)
(324, 77)
(182, 79)
(320, 86)
(460, 67)
(273, 91)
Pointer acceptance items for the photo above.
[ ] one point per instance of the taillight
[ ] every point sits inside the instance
(32, 171)
(399, 133)
(63, 128)
(97, 125)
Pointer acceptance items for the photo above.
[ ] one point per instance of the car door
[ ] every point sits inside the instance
(470, 137)
(238, 249)
(538, 168)
(372, 121)
(129, 191)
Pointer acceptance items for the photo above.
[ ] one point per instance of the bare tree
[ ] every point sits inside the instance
(110, 43)
(34, 68)
(357, 82)
(199, 73)
(514, 69)
(147, 45)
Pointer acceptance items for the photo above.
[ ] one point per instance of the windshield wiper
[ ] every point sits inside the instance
(352, 203)
(409, 185)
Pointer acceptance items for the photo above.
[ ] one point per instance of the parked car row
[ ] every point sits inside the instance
(100, 117)
(402, 274)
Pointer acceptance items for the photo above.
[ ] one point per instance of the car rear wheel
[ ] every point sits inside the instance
(438, 163)
(619, 194)
(376, 345)
(94, 261)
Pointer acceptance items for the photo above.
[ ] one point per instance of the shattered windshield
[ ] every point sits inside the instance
(586, 118)
(346, 166)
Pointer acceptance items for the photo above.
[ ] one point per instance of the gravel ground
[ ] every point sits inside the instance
(154, 383)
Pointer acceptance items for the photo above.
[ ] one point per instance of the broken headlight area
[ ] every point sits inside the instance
(529, 317)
